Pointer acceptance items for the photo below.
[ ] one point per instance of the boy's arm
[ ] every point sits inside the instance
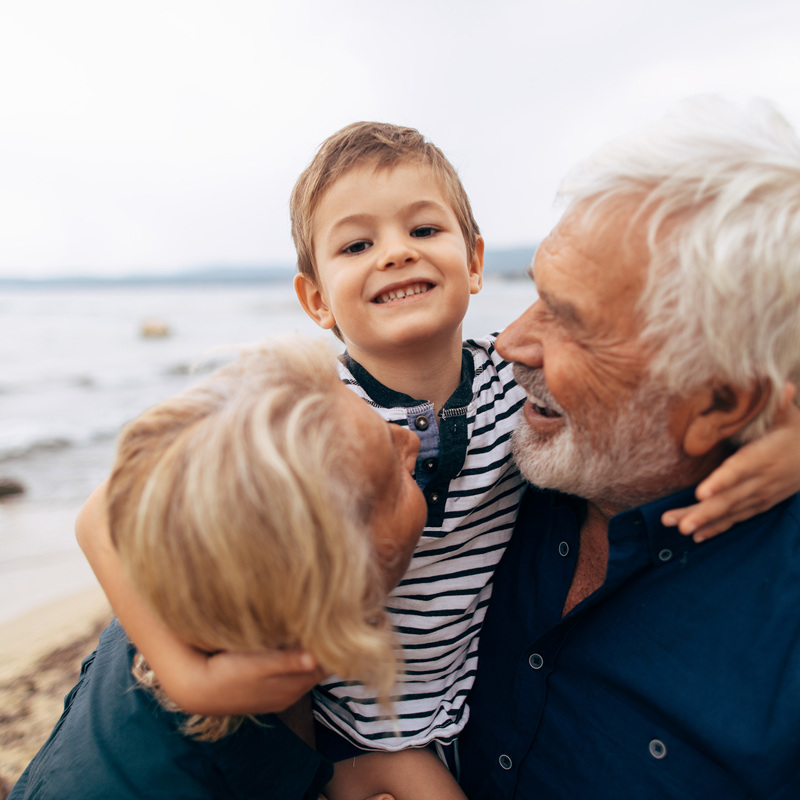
(755, 478)
(413, 774)
(200, 683)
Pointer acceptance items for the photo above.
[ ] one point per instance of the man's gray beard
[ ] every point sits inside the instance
(616, 461)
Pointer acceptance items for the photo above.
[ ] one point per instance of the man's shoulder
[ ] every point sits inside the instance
(783, 519)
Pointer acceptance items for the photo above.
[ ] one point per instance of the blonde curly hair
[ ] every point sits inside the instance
(239, 512)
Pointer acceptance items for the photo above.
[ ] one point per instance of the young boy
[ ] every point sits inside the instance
(389, 253)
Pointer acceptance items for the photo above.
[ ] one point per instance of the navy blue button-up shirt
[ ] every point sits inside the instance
(678, 678)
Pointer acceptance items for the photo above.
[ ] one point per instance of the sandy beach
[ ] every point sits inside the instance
(40, 656)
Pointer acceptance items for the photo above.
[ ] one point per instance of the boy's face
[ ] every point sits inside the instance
(392, 263)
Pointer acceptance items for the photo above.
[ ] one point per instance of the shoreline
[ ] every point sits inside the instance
(40, 656)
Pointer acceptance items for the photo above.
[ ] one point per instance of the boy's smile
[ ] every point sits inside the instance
(393, 267)
(401, 291)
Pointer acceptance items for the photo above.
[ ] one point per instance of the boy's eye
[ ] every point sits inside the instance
(424, 231)
(356, 247)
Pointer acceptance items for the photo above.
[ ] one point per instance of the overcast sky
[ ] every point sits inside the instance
(158, 135)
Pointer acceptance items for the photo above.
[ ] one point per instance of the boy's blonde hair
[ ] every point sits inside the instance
(385, 146)
(240, 514)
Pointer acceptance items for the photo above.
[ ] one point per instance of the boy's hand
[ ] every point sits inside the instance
(755, 478)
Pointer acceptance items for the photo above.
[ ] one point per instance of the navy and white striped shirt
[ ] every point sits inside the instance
(473, 489)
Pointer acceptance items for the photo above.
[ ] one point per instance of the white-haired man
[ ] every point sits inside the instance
(619, 659)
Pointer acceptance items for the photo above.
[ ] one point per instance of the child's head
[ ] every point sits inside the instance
(242, 511)
(379, 149)
(384, 146)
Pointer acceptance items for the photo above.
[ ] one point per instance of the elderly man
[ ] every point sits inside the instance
(620, 659)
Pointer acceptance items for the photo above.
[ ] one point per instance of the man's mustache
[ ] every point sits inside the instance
(533, 382)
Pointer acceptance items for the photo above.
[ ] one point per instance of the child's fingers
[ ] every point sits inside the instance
(722, 524)
(707, 519)
(732, 472)
(675, 515)
(745, 499)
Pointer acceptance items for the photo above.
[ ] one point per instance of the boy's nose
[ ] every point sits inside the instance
(398, 253)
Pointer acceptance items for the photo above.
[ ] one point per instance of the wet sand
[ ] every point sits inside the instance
(40, 656)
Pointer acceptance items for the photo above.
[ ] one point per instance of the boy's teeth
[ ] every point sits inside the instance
(405, 291)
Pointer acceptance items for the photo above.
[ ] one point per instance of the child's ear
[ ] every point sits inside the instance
(313, 301)
(476, 267)
(717, 415)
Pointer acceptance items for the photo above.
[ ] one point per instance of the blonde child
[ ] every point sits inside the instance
(250, 512)
(389, 254)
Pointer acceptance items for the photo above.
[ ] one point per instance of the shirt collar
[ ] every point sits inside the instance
(388, 398)
(640, 530)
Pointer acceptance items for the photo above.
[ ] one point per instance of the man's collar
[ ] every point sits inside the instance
(664, 543)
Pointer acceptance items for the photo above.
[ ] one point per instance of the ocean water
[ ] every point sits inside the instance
(74, 368)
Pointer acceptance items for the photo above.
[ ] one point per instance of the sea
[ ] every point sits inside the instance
(75, 366)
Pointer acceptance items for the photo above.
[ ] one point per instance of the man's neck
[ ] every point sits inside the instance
(592, 564)
(431, 374)
(590, 569)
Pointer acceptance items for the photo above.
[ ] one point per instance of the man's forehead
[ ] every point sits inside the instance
(588, 264)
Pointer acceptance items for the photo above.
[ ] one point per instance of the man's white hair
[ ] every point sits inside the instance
(718, 187)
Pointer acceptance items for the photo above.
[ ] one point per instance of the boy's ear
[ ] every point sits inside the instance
(717, 414)
(476, 267)
(313, 301)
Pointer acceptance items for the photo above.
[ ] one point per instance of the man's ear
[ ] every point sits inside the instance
(313, 301)
(716, 415)
(476, 267)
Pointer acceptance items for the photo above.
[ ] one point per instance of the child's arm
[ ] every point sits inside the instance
(200, 683)
(413, 774)
(753, 479)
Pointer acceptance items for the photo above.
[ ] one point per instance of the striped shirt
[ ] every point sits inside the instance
(472, 488)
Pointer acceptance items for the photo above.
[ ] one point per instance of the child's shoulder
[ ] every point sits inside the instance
(484, 354)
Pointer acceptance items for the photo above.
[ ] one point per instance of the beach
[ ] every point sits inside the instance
(40, 656)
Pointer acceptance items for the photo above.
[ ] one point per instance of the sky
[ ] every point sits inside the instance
(161, 135)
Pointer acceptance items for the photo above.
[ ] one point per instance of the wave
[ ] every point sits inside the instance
(21, 447)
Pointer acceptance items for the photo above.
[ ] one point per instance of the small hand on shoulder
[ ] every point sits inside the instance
(756, 477)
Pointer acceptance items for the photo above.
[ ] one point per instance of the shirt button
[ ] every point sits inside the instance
(505, 762)
(421, 423)
(429, 464)
(434, 498)
(665, 555)
(563, 549)
(658, 749)
(536, 661)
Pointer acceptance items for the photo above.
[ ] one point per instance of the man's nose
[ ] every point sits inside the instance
(520, 341)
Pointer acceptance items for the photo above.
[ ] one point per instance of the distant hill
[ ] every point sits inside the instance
(509, 263)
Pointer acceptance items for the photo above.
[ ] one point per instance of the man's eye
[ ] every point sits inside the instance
(356, 247)
(424, 231)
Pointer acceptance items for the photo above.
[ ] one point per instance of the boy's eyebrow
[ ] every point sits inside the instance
(366, 216)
